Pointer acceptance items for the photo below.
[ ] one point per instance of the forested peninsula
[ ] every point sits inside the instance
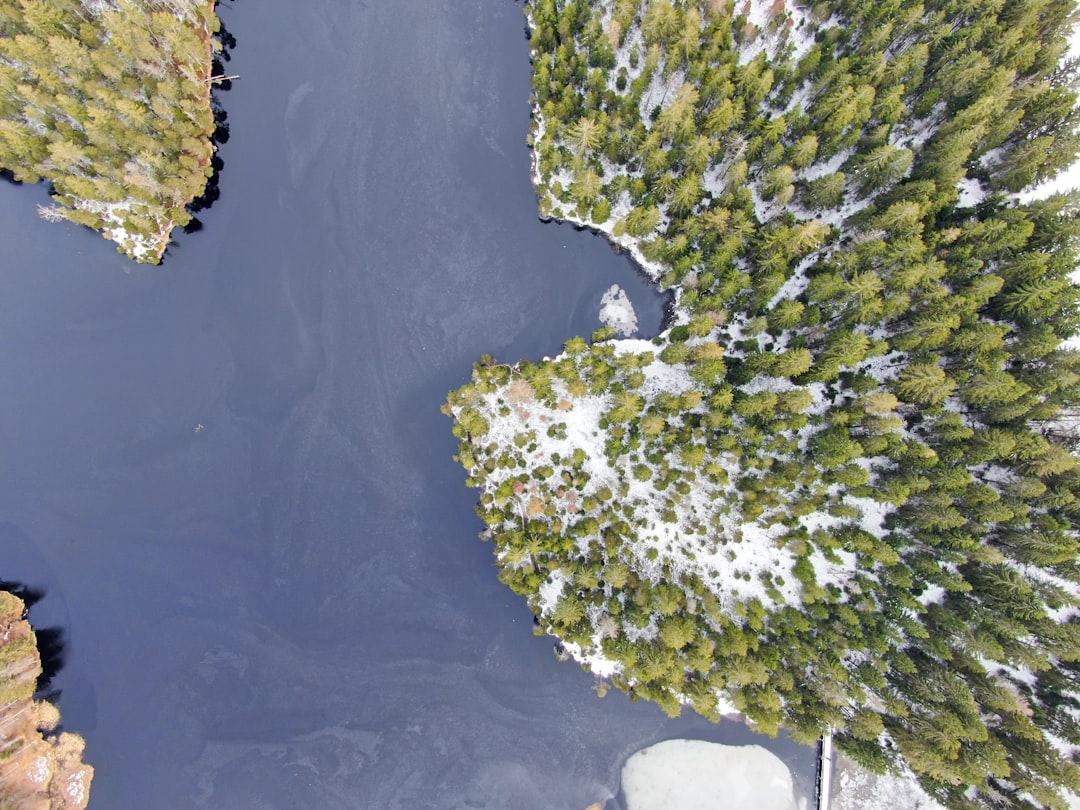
(840, 493)
(40, 766)
(109, 101)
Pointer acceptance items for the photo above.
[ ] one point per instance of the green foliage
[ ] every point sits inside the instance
(110, 102)
(880, 407)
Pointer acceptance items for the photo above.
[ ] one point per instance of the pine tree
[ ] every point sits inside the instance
(925, 383)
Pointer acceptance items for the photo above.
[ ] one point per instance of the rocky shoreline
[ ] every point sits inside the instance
(40, 765)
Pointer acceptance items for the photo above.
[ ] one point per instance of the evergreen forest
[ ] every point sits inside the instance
(839, 494)
(109, 101)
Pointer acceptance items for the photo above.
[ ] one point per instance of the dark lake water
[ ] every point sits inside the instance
(287, 607)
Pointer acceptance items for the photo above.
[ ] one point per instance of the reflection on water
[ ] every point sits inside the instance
(231, 474)
(51, 642)
(220, 136)
(29, 596)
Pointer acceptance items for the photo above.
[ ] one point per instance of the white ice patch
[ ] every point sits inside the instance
(705, 775)
(617, 312)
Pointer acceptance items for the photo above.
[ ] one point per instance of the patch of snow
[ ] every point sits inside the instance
(862, 790)
(635, 346)
(831, 166)
(39, 773)
(764, 382)
(971, 192)
(918, 132)
(836, 217)
(660, 377)
(1063, 614)
(1015, 674)
(830, 573)
(715, 178)
(646, 633)
(933, 595)
(794, 287)
(1066, 181)
(819, 520)
(134, 245)
(802, 32)
(872, 514)
(551, 590)
(660, 93)
(76, 787)
(763, 210)
(883, 367)
(539, 128)
(735, 568)
(822, 401)
(634, 44)
(596, 663)
(786, 30)
(98, 7)
(1067, 749)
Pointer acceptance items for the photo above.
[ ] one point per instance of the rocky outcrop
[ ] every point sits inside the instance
(41, 766)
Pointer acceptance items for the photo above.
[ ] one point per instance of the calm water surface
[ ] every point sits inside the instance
(231, 475)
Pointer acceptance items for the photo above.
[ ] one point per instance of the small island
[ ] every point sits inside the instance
(110, 102)
(40, 766)
(839, 494)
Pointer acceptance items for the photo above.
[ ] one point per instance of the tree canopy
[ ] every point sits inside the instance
(840, 493)
(109, 100)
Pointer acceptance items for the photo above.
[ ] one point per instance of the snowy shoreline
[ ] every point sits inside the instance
(650, 271)
(653, 271)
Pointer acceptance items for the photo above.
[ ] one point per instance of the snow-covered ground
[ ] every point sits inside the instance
(113, 215)
(735, 563)
(857, 789)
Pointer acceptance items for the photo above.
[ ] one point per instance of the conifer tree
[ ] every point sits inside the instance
(111, 103)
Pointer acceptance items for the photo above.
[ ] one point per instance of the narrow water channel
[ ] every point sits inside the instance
(231, 476)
